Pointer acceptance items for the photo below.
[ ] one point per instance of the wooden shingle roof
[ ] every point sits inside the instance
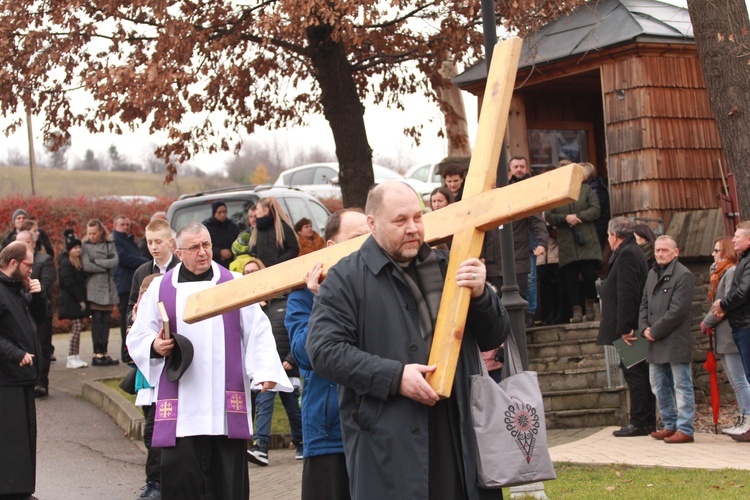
(596, 26)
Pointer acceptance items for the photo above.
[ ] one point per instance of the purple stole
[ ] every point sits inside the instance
(165, 419)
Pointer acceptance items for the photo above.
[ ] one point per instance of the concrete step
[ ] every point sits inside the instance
(564, 348)
(567, 380)
(557, 363)
(557, 333)
(584, 399)
(575, 419)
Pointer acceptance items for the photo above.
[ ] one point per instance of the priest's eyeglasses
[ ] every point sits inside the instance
(206, 245)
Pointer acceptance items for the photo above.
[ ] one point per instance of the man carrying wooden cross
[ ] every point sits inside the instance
(371, 331)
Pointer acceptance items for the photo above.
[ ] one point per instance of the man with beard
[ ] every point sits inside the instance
(19, 371)
(523, 229)
(371, 331)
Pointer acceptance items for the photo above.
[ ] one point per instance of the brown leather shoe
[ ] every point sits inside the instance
(679, 437)
(662, 434)
(742, 438)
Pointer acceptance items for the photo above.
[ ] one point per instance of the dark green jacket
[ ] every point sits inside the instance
(587, 209)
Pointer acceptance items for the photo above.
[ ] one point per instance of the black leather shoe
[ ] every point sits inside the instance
(40, 391)
(631, 431)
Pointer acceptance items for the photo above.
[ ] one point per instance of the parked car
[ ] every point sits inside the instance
(428, 173)
(197, 207)
(322, 179)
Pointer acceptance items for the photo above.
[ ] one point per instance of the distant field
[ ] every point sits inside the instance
(16, 180)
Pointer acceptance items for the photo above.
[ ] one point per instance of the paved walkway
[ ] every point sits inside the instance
(281, 479)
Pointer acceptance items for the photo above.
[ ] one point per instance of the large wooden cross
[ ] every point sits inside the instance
(481, 208)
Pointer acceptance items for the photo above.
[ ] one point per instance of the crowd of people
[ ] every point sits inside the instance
(357, 343)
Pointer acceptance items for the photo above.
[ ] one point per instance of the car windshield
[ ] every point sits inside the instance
(236, 209)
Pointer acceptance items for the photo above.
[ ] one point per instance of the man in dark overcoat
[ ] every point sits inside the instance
(371, 331)
(20, 353)
(665, 323)
(621, 295)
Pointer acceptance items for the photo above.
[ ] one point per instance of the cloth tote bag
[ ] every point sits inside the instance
(509, 425)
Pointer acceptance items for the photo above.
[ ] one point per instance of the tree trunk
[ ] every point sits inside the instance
(344, 111)
(722, 34)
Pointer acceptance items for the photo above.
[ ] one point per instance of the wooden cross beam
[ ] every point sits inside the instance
(481, 208)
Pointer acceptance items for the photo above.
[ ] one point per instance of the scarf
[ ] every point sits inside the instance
(264, 222)
(648, 250)
(425, 280)
(716, 274)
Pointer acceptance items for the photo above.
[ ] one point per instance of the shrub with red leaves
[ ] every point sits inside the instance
(55, 215)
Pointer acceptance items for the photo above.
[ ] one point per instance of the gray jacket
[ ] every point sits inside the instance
(665, 308)
(364, 328)
(722, 331)
(99, 261)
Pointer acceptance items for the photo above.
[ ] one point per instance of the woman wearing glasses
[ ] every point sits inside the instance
(722, 272)
(99, 260)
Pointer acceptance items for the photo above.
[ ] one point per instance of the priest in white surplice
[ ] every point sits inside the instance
(203, 375)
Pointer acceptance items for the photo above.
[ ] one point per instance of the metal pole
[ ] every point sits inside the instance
(32, 157)
(511, 299)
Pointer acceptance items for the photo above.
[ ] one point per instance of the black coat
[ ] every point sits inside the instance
(17, 335)
(223, 235)
(44, 271)
(364, 328)
(72, 290)
(276, 312)
(265, 247)
(130, 259)
(737, 301)
(622, 291)
(42, 242)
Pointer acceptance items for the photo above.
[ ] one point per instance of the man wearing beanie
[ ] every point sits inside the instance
(223, 233)
(19, 217)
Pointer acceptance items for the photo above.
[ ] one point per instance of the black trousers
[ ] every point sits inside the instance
(122, 308)
(153, 457)
(205, 468)
(642, 400)
(44, 332)
(587, 269)
(522, 280)
(100, 330)
(17, 440)
(324, 477)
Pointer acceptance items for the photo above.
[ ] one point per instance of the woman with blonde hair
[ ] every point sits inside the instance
(722, 274)
(273, 240)
(99, 260)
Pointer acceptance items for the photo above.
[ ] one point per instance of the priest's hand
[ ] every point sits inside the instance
(163, 347)
(266, 386)
(414, 386)
(472, 274)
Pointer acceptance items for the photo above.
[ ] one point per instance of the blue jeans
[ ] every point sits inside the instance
(737, 378)
(742, 339)
(264, 403)
(670, 382)
(531, 294)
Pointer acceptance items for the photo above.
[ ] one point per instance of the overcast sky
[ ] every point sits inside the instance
(384, 130)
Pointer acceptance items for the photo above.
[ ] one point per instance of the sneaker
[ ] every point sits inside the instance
(298, 453)
(151, 490)
(76, 362)
(258, 453)
(741, 426)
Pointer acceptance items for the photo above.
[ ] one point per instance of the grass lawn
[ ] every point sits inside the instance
(623, 482)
